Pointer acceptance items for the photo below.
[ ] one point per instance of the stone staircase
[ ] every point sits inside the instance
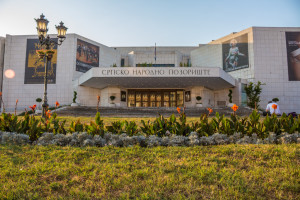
(144, 112)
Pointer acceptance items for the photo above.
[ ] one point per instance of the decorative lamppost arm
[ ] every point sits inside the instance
(46, 41)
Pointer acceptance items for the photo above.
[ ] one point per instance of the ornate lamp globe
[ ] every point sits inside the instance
(42, 24)
(61, 30)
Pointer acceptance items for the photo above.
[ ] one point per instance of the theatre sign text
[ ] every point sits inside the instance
(158, 72)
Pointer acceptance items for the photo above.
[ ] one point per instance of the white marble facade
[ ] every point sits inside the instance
(62, 91)
(268, 63)
(267, 58)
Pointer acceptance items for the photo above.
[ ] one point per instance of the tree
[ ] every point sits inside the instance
(74, 97)
(253, 94)
(230, 95)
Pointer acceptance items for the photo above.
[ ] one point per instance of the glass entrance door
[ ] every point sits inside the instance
(152, 97)
(145, 99)
(173, 99)
(179, 98)
(155, 98)
(158, 99)
(166, 99)
(138, 99)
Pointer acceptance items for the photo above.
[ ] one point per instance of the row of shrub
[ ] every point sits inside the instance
(223, 125)
(161, 126)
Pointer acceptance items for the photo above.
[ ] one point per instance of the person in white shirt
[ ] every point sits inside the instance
(270, 110)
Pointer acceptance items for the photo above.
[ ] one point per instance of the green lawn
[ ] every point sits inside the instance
(215, 172)
(108, 120)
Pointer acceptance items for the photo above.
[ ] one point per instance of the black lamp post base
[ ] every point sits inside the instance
(45, 107)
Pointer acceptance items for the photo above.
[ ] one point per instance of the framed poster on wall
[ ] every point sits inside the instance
(123, 96)
(293, 55)
(35, 67)
(187, 96)
(87, 56)
(235, 53)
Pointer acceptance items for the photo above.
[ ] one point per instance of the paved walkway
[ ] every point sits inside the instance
(143, 112)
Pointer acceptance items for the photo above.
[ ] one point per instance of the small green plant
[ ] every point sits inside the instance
(131, 128)
(58, 126)
(182, 128)
(198, 98)
(205, 128)
(97, 127)
(149, 128)
(35, 129)
(76, 126)
(9, 123)
(39, 100)
(161, 125)
(116, 127)
(112, 98)
(230, 95)
(74, 97)
(275, 99)
(23, 113)
(114, 65)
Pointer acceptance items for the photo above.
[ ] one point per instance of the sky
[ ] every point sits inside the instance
(146, 22)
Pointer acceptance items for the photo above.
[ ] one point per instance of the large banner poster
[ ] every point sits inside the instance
(87, 56)
(293, 55)
(235, 53)
(35, 68)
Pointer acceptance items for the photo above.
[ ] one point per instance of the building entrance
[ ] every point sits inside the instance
(155, 98)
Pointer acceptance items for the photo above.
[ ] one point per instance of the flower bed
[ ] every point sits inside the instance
(123, 140)
(162, 131)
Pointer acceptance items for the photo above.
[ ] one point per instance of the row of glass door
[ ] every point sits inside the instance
(157, 98)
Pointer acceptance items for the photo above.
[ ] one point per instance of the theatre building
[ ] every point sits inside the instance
(156, 76)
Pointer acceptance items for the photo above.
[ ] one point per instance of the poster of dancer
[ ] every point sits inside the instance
(235, 53)
(87, 56)
(293, 55)
(34, 66)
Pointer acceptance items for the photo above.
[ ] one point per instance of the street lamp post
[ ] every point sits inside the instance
(46, 42)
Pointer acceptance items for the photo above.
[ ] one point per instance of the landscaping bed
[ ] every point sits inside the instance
(162, 131)
(123, 140)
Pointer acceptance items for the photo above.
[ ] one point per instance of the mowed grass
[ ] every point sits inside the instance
(108, 120)
(215, 172)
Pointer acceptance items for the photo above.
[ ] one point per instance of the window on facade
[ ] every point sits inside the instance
(122, 62)
(243, 95)
(154, 65)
